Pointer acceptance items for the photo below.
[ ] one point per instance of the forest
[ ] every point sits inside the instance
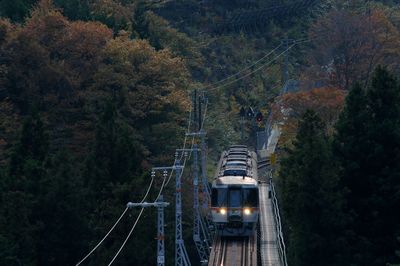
(94, 93)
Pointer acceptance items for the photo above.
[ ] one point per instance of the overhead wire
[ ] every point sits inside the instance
(163, 185)
(115, 224)
(101, 241)
(134, 225)
(127, 238)
(256, 70)
(247, 67)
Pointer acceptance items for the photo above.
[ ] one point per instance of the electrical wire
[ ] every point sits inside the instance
(112, 228)
(134, 225)
(164, 184)
(101, 241)
(246, 68)
(127, 237)
(257, 69)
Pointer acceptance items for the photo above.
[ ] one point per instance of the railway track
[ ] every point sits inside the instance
(234, 251)
(263, 163)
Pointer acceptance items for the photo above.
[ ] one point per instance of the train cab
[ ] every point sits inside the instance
(234, 205)
(234, 195)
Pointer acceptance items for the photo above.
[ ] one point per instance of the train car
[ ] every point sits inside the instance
(234, 194)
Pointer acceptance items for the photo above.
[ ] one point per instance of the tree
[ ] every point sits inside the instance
(21, 187)
(148, 89)
(16, 10)
(289, 108)
(62, 205)
(367, 147)
(312, 200)
(349, 45)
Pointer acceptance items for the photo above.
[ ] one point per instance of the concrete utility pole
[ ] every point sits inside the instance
(160, 205)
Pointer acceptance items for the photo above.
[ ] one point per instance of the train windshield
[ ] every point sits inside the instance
(235, 172)
(235, 198)
(250, 197)
(219, 197)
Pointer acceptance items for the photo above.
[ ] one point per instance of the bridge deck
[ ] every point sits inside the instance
(268, 243)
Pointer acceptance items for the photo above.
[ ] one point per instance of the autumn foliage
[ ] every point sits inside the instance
(349, 45)
(68, 68)
(327, 103)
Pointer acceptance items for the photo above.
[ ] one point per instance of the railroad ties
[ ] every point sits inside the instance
(229, 251)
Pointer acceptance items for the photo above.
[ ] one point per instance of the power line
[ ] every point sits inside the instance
(248, 67)
(136, 221)
(101, 241)
(112, 228)
(128, 236)
(257, 69)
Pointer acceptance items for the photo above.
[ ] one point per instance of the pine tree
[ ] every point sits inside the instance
(368, 149)
(311, 198)
(113, 177)
(20, 221)
(64, 234)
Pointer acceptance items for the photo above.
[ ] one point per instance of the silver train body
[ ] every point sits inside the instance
(234, 193)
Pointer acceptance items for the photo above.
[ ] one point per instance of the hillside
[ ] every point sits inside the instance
(93, 93)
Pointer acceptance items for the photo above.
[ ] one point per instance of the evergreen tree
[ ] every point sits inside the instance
(113, 177)
(20, 221)
(16, 10)
(311, 199)
(63, 234)
(368, 149)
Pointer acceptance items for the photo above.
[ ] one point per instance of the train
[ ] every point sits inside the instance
(234, 193)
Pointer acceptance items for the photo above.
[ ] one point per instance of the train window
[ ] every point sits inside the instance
(219, 197)
(235, 172)
(236, 163)
(235, 198)
(250, 197)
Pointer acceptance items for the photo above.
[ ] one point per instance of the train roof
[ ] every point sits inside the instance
(235, 180)
(238, 146)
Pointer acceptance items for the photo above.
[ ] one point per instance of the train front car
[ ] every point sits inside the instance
(234, 198)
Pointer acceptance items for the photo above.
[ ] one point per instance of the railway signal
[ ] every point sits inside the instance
(250, 112)
(259, 117)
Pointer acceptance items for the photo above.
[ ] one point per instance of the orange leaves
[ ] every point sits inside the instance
(5, 30)
(147, 79)
(321, 100)
(326, 102)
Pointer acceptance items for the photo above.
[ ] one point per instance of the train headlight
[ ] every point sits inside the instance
(222, 211)
(247, 211)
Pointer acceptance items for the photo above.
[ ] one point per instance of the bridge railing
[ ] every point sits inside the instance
(278, 223)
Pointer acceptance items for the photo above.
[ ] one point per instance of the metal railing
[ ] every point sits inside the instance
(278, 224)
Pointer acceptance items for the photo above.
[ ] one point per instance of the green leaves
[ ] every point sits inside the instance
(367, 146)
(312, 200)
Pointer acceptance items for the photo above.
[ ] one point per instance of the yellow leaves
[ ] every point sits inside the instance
(148, 80)
(117, 15)
(6, 28)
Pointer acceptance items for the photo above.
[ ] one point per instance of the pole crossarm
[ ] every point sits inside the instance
(174, 167)
(147, 204)
(196, 134)
(187, 150)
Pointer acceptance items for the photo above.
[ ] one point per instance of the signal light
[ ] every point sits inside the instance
(259, 117)
(222, 211)
(250, 112)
